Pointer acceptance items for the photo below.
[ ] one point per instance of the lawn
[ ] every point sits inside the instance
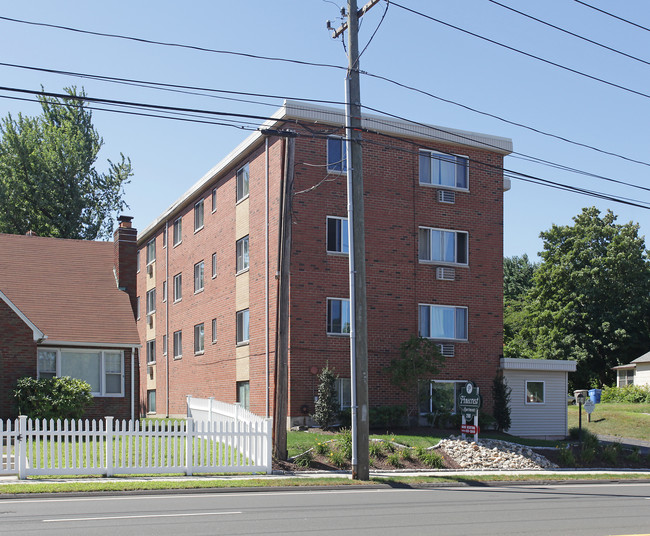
(622, 420)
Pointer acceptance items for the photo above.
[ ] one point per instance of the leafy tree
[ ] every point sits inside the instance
(591, 296)
(518, 275)
(326, 409)
(501, 394)
(52, 398)
(48, 180)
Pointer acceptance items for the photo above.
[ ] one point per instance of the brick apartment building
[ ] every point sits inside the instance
(207, 279)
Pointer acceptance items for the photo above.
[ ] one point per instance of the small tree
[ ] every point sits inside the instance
(55, 398)
(326, 407)
(501, 393)
(419, 360)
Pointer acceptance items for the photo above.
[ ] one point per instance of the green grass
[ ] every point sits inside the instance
(623, 420)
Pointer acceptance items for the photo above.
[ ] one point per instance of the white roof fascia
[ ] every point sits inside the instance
(105, 345)
(37, 333)
(549, 365)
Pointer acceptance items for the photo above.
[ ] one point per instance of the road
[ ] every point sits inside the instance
(574, 509)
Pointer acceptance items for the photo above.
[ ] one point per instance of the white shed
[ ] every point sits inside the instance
(538, 400)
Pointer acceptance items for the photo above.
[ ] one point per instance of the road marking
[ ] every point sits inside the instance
(103, 518)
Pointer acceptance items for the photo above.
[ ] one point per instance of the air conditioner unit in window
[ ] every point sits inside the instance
(446, 274)
(150, 320)
(150, 270)
(446, 350)
(446, 196)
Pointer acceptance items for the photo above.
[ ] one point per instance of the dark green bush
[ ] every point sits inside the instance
(501, 393)
(388, 417)
(52, 398)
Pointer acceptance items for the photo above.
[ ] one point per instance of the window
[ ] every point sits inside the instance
(198, 277)
(214, 199)
(178, 287)
(151, 401)
(164, 291)
(214, 330)
(242, 254)
(337, 235)
(438, 245)
(164, 236)
(443, 322)
(151, 351)
(199, 344)
(151, 251)
(343, 392)
(137, 308)
(242, 183)
(164, 344)
(151, 301)
(137, 261)
(178, 344)
(178, 231)
(243, 394)
(438, 169)
(198, 216)
(102, 369)
(214, 265)
(439, 396)
(338, 316)
(243, 326)
(534, 392)
(625, 377)
(336, 155)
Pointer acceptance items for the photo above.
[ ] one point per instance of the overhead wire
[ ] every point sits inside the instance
(613, 16)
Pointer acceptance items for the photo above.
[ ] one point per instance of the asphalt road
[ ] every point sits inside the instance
(575, 509)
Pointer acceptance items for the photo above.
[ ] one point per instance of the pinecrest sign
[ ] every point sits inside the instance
(469, 400)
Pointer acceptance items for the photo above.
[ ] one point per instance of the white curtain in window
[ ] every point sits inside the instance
(442, 323)
(84, 366)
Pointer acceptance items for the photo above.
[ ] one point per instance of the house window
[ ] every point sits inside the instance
(178, 231)
(336, 155)
(625, 377)
(337, 235)
(151, 251)
(199, 344)
(439, 396)
(243, 327)
(198, 216)
(151, 301)
(178, 344)
(164, 236)
(164, 344)
(214, 330)
(151, 351)
(137, 308)
(151, 401)
(102, 369)
(343, 392)
(443, 322)
(243, 394)
(198, 277)
(164, 291)
(439, 169)
(437, 245)
(534, 392)
(214, 199)
(214, 265)
(338, 316)
(178, 287)
(242, 254)
(137, 261)
(242, 183)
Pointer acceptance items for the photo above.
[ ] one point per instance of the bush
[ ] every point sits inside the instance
(326, 410)
(567, 459)
(52, 398)
(388, 417)
(344, 443)
(321, 449)
(501, 393)
(630, 394)
(375, 449)
(431, 459)
(394, 460)
(304, 459)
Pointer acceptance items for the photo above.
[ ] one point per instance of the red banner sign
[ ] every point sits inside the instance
(469, 429)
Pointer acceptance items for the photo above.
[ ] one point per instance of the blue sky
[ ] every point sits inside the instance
(169, 156)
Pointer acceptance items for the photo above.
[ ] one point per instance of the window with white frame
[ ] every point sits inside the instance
(439, 396)
(535, 392)
(199, 340)
(198, 216)
(102, 369)
(178, 231)
(178, 287)
(164, 291)
(214, 199)
(242, 183)
(336, 155)
(198, 277)
(338, 316)
(164, 236)
(214, 330)
(151, 251)
(625, 377)
(164, 344)
(242, 254)
(178, 344)
(151, 301)
(443, 322)
(214, 265)
(243, 394)
(439, 245)
(151, 401)
(337, 235)
(243, 326)
(342, 387)
(447, 170)
(151, 352)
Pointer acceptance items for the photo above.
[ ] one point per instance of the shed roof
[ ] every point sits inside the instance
(66, 289)
(550, 365)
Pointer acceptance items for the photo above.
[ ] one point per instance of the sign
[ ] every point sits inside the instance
(469, 429)
(469, 401)
(589, 405)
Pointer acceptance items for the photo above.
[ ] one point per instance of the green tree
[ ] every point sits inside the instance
(48, 180)
(591, 296)
(518, 275)
(52, 398)
(326, 409)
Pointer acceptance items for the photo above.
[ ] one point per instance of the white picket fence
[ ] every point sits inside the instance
(112, 447)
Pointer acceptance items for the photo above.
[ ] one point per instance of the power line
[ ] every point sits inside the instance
(528, 54)
(613, 16)
(611, 49)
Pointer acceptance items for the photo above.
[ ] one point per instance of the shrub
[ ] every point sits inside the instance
(375, 449)
(344, 443)
(326, 409)
(338, 458)
(611, 454)
(321, 449)
(394, 460)
(304, 459)
(501, 393)
(52, 398)
(587, 454)
(630, 394)
(406, 454)
(634, 456)
(431, 459)
(386, 417)
(567, 459)
(388, 445)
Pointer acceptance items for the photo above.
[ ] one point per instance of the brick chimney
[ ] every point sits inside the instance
(125, 248)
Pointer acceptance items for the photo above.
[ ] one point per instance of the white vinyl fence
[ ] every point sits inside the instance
(111, 447)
